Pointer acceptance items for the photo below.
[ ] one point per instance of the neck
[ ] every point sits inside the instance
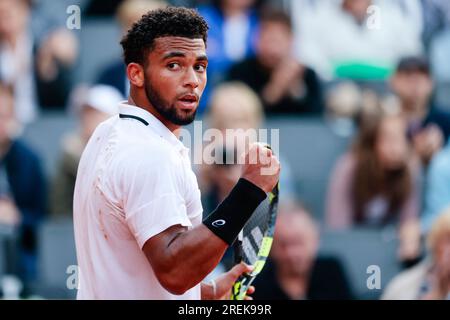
(135, 100)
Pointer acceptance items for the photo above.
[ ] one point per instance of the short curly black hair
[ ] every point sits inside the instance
(166, 22)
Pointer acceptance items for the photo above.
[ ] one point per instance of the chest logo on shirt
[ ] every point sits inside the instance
(218, 223)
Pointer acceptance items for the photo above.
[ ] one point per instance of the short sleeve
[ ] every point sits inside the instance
(152, 191)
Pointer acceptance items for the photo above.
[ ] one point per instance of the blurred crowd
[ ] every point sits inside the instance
(376, 71)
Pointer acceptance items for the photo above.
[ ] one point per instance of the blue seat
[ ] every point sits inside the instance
(45, 135)
(56, 254)
(360, 248)
(99, 46)
(311, 148)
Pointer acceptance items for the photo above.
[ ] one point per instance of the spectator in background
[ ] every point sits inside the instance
(437, 194)
(344, 39)
(429, 280)
(285, 85)
(237, 109)
(128, 12)
(294, 270)
(377, 182)
(92, 106)
(343, 101)
(39, 70)
(233, 27)
(428, 127)
(22, 185)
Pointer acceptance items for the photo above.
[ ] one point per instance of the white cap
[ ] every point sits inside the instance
(104, 98)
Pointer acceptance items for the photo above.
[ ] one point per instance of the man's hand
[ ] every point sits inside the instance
(261, 167)
(9, 214)
(224, 284)
(284, 79)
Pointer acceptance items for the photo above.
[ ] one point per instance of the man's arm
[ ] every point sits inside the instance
(182, 258)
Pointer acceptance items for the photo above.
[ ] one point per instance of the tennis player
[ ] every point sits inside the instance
(137, 212)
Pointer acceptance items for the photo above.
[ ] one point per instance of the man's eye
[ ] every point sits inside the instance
(173, 66)
(200, 67)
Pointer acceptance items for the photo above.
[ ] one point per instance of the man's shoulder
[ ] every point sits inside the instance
(149, 152)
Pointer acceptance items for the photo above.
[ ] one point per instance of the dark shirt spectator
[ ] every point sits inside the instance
(428, 127)
(27, 187)
(328, 281)
(440, 118)
(295, 270)
(22, 186)
(285, 85)
(256, 76)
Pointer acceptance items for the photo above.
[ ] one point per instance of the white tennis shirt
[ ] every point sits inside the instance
(134, 181)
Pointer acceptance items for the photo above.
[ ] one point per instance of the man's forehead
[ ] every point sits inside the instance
(181, 44)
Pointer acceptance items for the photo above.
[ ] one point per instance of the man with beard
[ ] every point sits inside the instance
(137, 212)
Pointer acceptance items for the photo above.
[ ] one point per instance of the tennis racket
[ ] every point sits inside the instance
(254, 242)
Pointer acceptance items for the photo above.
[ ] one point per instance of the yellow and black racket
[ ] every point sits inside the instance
(254, 242)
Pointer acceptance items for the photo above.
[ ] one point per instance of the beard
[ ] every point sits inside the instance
(167, 110)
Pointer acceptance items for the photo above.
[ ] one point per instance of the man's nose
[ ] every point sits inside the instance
(191, 78)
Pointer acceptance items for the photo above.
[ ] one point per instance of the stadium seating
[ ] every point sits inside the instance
(56, 254)
(8, 257)
(358, 249)
(44, 136)
(311, 148)
(99, 45)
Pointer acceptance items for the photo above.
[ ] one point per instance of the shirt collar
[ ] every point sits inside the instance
(153, 123)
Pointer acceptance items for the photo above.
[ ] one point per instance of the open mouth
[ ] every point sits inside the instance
(189, 101)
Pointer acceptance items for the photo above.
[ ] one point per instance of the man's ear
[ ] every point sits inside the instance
(135, 73)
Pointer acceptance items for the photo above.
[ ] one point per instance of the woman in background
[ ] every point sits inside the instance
(376, 182)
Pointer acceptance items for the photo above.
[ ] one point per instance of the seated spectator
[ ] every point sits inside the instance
(346, 39)
(285, 85)
(437, 194)
(429, 280)
(233, 27)
(294, 270)
(377, 182)
(22, 186)
(428, 127)
(92, 106)
(38, 69)
(343, 103)
(236, 111)
(128, 12)
(236, 108)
